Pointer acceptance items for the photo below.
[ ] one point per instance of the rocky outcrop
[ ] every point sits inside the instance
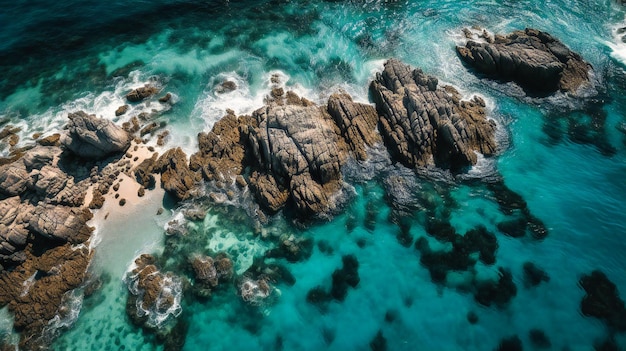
(14, 217)
(532, 58)
(142, 93)
(94, 138)
(36, 290)
(176, 177)
(357, 123)
(61, 223)
(222, 153)
(424, 124)
(14, 179)
(296, 144)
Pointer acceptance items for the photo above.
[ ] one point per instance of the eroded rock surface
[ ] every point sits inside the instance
(296, 144)
(424, 124)
(532, 58)
(94, 138)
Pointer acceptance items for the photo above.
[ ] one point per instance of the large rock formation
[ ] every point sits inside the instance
(36, 290)
(425, 125)
(94, 138)
(533, 59)
(296, 144)
(61, 222)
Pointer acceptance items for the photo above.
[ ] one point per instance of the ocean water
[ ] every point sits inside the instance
(61, 56)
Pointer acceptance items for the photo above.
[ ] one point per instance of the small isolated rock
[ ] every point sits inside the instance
(165, 98)
(141, 192)
(122, 202)
(121, 110)
(139, 94)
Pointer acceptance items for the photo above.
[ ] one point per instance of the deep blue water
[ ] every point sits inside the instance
(61, 56)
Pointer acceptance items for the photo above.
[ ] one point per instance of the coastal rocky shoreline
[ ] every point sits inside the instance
(291, 155)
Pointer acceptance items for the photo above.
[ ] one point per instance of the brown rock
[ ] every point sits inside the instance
(61, 222)
(165, 98)
(51, 140)
(141, 191)
(269, 193)
(221, 152)
(141, 93)
(121, 110)
(176, 177)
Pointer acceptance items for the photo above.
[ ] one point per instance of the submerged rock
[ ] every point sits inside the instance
(94, 138)
(532, 58)
(425, 125)
(154, 298)
(602, 300)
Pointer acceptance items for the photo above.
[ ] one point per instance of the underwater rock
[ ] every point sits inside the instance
(255, 291)
(347, 276)
(532, 58)
(142, 93)
(512, 343)
(94, 138)
(357, 123)
(534, 275)
(379, 343)
(539, 339)
(498, 293)
(292, 249)
(154, 297)
(212, 271)
(423, 124)
(602, 300)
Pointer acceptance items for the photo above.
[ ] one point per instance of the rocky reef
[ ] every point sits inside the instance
(534, 59)
(292, 151)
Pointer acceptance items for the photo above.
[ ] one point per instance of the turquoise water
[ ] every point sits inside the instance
(573, 182)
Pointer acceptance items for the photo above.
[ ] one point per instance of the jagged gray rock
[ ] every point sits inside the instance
(424, 124)
(61, 222)
(13, 226)
(532, 58)
(94, 138)
(357, 123)
(14, 179)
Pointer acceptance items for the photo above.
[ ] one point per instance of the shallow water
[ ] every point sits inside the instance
(58, 57)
